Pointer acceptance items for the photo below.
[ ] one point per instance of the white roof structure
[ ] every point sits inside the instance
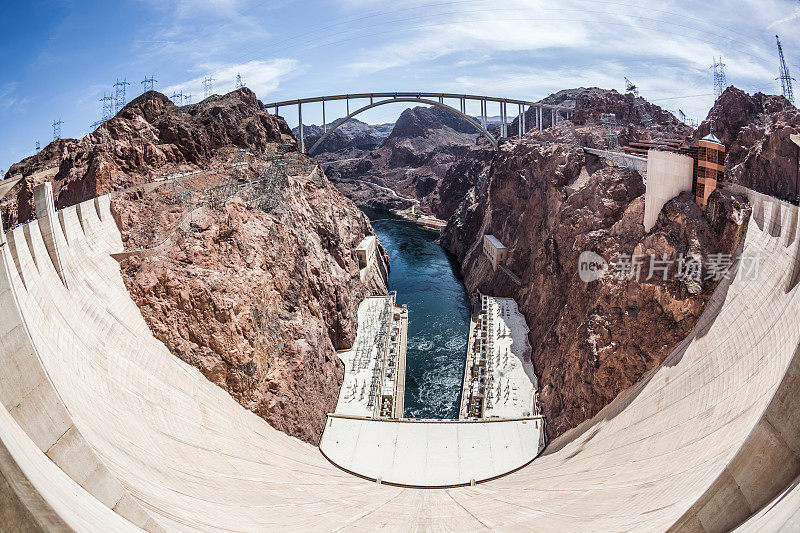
(366, 242)
(103, 429)
(495, 241)
(360, 361)
(513, 380)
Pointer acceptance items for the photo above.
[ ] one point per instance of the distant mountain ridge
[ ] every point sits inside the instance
(352, 135)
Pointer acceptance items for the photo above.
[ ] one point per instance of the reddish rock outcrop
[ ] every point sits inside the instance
(149, 136)
(246, 271)
(756, 129)
(420, 162)
(548, 203)
(589, 104)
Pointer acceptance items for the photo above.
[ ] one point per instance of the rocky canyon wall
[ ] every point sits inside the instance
(756, 131)
(548, 202)
(245, 269)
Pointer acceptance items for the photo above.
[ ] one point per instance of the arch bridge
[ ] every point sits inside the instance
(440, 100)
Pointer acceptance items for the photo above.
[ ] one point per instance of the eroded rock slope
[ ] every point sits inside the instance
(246, 267)
(548, 202)
(756, 130)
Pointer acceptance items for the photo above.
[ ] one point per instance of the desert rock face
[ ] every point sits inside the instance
(548, 203)
(352, 139)
(588, 104)
(416, 163)
(149, 136)
(246, 270)
(756, 129)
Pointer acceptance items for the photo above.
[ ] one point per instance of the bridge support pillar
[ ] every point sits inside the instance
(324, 124)
(300, 120)
(552, 117)
(505, 119)
(520, 114)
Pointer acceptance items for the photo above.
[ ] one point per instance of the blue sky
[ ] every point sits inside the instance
(59, 57)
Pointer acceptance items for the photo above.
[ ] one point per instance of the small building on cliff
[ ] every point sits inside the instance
(365, 252)
(494, 250)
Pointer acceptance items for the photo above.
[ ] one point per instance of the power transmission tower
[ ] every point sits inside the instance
(57, 129)
(610, 122)
(177, 97)
(720, 82)
(108, 106)
(38, 146)
(207, 81)
(638, 103)
(239, 82)
(784, 76)
(148, 83)
(187, 98)
(119, 94)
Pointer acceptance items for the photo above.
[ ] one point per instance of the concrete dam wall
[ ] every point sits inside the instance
(103, 429)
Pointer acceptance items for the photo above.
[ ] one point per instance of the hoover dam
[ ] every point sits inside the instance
(103, 429)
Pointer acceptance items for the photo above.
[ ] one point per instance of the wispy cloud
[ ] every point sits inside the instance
(789, 18)
(263, 77)
(10, 100)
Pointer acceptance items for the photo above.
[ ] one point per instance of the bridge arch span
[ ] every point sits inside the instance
(474, 123)
(557, 112)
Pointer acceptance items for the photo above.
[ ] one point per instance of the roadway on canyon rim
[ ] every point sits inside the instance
(103, 429)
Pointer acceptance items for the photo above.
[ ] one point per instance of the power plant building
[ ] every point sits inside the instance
(494, 250)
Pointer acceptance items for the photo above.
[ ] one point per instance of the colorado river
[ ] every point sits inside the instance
(426, 280)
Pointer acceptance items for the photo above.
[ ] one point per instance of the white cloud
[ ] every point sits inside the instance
(10, 100)
(262, 77)
(789, 18)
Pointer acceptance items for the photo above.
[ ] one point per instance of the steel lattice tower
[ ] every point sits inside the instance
(57, 129)
(108, 106)
(119, 94)
(784, 76)
(148, 83)
(239, 82)
(177, 97)
(610, 122)
(720, 81)
(207, 86)
(38, 146)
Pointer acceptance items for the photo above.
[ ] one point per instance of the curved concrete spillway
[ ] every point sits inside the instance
(102, 429)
